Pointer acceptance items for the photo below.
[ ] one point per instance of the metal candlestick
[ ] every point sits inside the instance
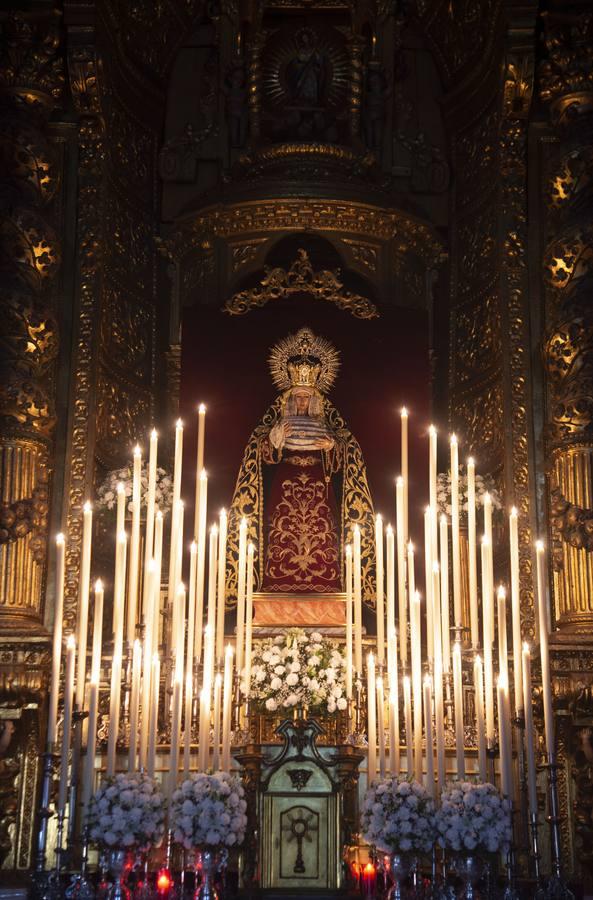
(46, 885)
(533, 828)
(555, 888)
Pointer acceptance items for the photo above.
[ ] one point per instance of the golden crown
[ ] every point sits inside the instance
(304, 360)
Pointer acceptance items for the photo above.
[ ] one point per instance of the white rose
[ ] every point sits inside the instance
(271, 704)
(292, 679)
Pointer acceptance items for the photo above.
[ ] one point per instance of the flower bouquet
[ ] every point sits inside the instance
(484, 485)
(126, 813)
(398, 818)
(298, 669)
(473, 818)
(207, 815)
(107, 491)
(208, 811)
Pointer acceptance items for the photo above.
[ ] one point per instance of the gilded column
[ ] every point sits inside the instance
(31, 81)
(566, 88)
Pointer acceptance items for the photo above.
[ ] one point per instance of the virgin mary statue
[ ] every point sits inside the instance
(302, 485)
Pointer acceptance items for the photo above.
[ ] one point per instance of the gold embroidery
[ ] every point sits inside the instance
(302, 460)
(302, 543)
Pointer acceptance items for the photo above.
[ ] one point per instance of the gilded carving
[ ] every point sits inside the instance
(245, 252)
(365, 254)
(478, 424)
(121, 416)
(301, 278)
(477, 338)
(477, 151)
(126, 332)
(478, 250)
(30, 57)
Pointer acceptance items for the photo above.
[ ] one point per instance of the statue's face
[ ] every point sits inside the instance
(302, 402)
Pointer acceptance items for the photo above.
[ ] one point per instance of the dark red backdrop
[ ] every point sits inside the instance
(384, 366)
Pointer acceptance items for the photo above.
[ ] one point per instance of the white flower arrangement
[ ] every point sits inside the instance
(298, 669)
(484, 485)
(209, 811)
(107, 492)
(473, 817)
(398, 816)
(127, 811)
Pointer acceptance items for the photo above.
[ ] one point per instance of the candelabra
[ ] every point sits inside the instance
(555, 887)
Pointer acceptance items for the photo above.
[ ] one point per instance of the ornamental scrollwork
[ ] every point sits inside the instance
(30, 57)
(301, 278)
(477, 338)
(573, 522)
(121, 416)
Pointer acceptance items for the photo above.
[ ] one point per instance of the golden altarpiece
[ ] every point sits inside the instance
(167, 158)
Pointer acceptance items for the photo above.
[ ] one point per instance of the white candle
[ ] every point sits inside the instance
(472, 560)
(249, 618)
(216, 730)
(542, 612)
(455, 539)
(156, 586)
(501, 604)
(83, 603)
(209, 647)
(221, 598)
(390, 596)
(529, 731)
(394, 762)
(191, 613)
(445, 608)
(56, 660)
(155, 679)
(408, 726)
(175, 536)
(439, 709)
(134, 550)
(404, 469)
(67, 722)
(114, 706)
(88, 775)
(516, 610)
(187, 722)
(487, 603)
(227, 699)
(97, 632)
(432, 485)
(147, 653)
(150, 508)
(134, 704)
(204, 748)
(429, 738)
(480, 724)
(199, 466)
(504, 738)
(401, 571)
(428, 584)
(371, 719)
(416, 645)
(179, 642)
(381, 725)
(458, 702)
(201, 569)
(380, 597)
(411, 579)
(241, 585)
(490, 546)
(175, 734)
(356, 555)
(348, 552)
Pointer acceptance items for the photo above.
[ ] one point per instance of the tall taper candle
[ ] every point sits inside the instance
(432, 486)
(380, 589)
(487, 604)
(155, 679)
(200, 576)
(529, 731)
(134, 560)
(88, 775)
(199, 466)
(480, 723)
(241, 586)
(204, 748)
(381, 725)
(82, 621)
(371, 719)
(458, 701)
(542, 620)
(401, 572)
(121, 507)
(67, 722)
(209, 648)
(187, 723)
(445, 606)
(390, 595)
(504, 738)
(455, 538)
(356, 551)
(134, 704)
(147, 652)
(221, 590)
(97, 632)
(416, 646)
(191, 608)
(394, 762)
(428, 586)
(472, 559)
(501, 605)
(428, 731)
(490, 546)
(411, 579)
(227, 701)
(348, 552)
(216, 730)
(249, 617)
(516, 610)
(175, 536)
(116, 665)
(56, 659)
(150, 509)
(408, 726)
(175, 734)
(404, 468)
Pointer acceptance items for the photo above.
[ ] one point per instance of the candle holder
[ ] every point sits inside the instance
(535, 854)
(78, 717)
(45, 884)
(555, 887)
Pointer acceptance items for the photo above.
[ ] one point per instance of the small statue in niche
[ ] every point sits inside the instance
(236, 92)
(306, 73)
(376, 94)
